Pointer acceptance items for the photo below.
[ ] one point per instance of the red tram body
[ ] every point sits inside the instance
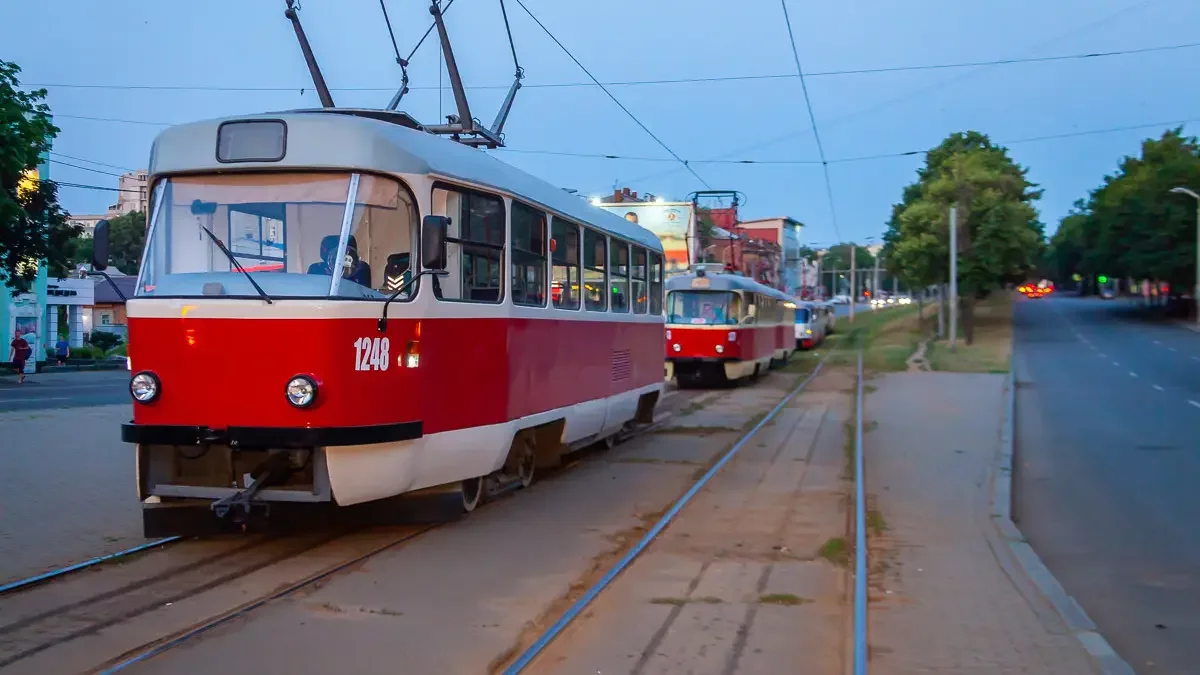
(725, 327)
(537, 332)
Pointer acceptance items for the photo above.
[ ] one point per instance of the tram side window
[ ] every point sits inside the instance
(564, 257)
(618, 256)
(528, 256)
(639, 280)
(656, 284)
(475, 245)
(595, 267)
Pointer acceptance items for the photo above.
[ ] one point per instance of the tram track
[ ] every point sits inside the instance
(519, 660)
(123, 614)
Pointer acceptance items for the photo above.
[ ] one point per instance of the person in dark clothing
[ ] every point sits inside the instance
(62, 349)
(359, 272)
(19, 353)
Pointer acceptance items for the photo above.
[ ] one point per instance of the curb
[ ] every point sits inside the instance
(1076, 620)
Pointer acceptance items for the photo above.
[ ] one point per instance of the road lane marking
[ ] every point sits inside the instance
(31, 400)
(1157, 387)
(1157, 342)
(1103, 355)
(1194, 403)
(1117, 364)
(1172, 349)
(1132, 374)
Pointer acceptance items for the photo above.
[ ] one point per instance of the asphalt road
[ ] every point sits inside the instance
(1108, 470)
(64, 390)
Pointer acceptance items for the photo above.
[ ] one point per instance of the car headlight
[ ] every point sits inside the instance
(144, 387)
(301, 391)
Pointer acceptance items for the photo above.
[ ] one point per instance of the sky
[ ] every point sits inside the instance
(113, 61)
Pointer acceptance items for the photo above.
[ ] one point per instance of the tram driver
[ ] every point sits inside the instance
(353, 267)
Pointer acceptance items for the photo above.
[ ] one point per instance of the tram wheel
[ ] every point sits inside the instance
(472, 493)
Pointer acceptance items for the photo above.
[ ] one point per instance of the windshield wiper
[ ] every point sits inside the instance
(233, 261)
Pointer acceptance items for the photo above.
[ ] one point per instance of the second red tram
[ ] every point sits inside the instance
(725, 327)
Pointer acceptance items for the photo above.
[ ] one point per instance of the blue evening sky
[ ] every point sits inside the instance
(249, 43)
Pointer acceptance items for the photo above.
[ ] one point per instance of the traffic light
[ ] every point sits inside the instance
(1102, 279)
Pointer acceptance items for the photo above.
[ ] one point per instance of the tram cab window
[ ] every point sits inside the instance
(283, 228)
(703, 308)
(639, 280)
(564, 257)
(618, 256)
(595, 266)
(656, 284)
(475, 245)
(528, 256)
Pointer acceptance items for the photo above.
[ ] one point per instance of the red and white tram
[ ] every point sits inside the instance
(261, 376)
(725, 327)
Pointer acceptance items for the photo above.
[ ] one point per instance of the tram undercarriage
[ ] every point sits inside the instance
(206, 489)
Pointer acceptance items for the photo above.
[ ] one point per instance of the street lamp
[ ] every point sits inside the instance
(1196, 290)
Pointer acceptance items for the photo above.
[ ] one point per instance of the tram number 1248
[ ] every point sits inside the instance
(371, 353)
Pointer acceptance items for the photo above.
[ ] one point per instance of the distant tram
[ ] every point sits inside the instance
(725, 328)
(335, 307)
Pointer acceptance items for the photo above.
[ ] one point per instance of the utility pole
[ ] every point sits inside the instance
(853, 297)
(953, 275)
(875, 289)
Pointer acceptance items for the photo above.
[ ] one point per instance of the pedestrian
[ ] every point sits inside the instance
(61, 350)
(19, 352)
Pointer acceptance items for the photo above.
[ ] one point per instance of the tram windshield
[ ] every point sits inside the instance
(703, 307)
(285, 230)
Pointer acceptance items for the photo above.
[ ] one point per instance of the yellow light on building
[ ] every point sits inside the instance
(28, 183)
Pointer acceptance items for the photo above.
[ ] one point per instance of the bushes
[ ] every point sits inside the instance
(105, 341)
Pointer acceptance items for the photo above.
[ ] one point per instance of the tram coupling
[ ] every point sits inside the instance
(239, 506)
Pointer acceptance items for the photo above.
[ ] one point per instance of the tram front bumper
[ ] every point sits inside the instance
(270, 437)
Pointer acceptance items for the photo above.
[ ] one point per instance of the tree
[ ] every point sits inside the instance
(33, 227)
(126, 238)
(1131, 225)
(1000, 239)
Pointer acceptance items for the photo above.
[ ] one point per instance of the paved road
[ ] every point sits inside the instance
(1108, 470)
(64, 390)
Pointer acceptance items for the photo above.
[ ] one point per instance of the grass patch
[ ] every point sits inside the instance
(875, 521)
(990, 351)
(679, 602)
(836, 551)
(786, 599)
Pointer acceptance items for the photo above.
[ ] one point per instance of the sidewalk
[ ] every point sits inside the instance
(947, 595)
(737, 583)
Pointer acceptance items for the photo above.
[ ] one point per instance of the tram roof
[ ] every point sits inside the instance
(720, 281)
(350, 140)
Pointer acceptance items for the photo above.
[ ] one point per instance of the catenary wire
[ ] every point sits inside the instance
(659, 81)
(610, 95)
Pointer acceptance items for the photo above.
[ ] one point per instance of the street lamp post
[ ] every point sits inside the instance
(1196, 290)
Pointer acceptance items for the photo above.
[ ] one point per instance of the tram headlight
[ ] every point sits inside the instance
(144, 387)
(675, 347)
(301, 391)
(720, 349)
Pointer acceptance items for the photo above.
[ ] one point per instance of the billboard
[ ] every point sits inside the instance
(674, 224)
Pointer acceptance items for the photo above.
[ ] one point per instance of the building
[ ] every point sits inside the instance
(624, 195)
(132, 195)
(784, 232)
(107, 313)
(87, 222)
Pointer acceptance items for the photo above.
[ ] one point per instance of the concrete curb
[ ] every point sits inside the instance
(1076, 620)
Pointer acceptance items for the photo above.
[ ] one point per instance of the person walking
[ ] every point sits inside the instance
(61, 350)
(20, 351)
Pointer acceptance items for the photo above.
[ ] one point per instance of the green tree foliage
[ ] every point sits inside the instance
(838, 258)
(1131, 225)
(126, 238)
(33, 227)
(1000, 239)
